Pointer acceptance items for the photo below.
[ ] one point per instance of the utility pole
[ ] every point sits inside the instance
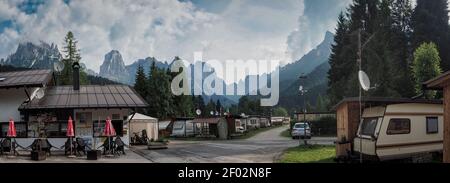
(303, 94)
(360, 97)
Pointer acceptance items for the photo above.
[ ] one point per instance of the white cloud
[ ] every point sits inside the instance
(159, 28)
(320, 16)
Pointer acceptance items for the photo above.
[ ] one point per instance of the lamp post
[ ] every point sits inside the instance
(303, 92)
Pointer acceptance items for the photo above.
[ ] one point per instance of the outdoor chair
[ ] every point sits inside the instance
(120, 146)
(108, 145)
(68, 146)
(5, 146)
(42, 145)
(81, 146)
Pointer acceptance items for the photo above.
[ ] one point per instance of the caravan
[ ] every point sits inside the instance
(400, 131)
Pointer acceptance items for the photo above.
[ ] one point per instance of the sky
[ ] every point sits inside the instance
(221, 29)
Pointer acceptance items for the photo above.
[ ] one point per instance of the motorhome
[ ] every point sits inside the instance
(400, 131)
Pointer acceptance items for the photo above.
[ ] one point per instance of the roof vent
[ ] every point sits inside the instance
(2, 79)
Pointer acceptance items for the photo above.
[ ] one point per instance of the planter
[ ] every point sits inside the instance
(157, 145)
(94, 154)
(38, 155)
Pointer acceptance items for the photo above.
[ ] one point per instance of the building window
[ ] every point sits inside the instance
(56, 129)
(21, 130)
(84, 117)
(115, 117)
(399, 126)
(432, 125)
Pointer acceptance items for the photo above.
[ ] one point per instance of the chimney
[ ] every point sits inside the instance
(76, 76)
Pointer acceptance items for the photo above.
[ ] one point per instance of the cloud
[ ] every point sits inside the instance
(253, 29)
(319, 17)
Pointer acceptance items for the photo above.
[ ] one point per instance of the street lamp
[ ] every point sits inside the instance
(303, 92)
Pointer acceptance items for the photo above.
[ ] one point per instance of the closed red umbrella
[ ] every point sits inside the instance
(70, 133)
(109, 132)
(11, 133)
(109, 128)
(11, 129)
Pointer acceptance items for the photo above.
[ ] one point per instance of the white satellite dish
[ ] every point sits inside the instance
(212, 113)
(40, 93)
(300, 88)
(58, 66)
(364, 80)
(198, 112)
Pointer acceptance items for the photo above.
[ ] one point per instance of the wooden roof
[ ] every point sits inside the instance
(89, 96)
(30, 78)
(439, 82)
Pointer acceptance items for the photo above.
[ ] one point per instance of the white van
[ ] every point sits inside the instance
(400, 131)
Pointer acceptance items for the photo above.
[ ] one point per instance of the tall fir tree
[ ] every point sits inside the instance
(337, 74)
(140, 84)
(71, 55)
(431, 24)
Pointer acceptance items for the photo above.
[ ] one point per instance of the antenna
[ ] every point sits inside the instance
(40, 93)
(364, 80)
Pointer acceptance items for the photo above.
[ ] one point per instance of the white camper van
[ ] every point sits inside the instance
(400, 131)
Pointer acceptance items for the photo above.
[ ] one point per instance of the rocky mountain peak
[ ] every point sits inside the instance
(113, 67)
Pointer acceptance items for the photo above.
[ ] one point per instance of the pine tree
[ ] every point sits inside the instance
(72, 55)
(141, 82)
(337, 75)
(210, 107)
(400, 42)
(219, 107)
(431, 24)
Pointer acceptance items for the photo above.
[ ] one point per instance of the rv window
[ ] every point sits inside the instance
(178, 125)
(399, 126)
(368, 126)
(432, 125)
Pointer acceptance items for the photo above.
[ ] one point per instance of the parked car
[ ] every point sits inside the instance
(301, 130)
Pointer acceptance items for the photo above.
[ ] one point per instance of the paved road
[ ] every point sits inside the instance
(262, 148)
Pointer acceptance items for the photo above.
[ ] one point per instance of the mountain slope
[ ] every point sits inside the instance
(291, 72)
(113, 67)
(34, 56)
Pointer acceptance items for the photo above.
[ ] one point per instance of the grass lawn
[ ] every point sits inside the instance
(311, 154)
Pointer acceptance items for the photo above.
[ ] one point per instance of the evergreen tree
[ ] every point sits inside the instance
(71, 55)
(400, 42)
(337, 75)
(219, 107)
(210, 107)
(431, 24)
(159, 95)
(426, 66)
(141, 82)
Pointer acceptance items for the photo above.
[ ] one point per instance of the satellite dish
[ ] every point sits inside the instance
(364, 80)
(212, 113)
(198, 112)
(217, 113)
(300, 88)
(58, 66)
(40, 93)
(243, 114)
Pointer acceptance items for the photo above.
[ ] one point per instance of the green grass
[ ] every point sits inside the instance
(310, 154)
(286, 133)
(252, 133)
